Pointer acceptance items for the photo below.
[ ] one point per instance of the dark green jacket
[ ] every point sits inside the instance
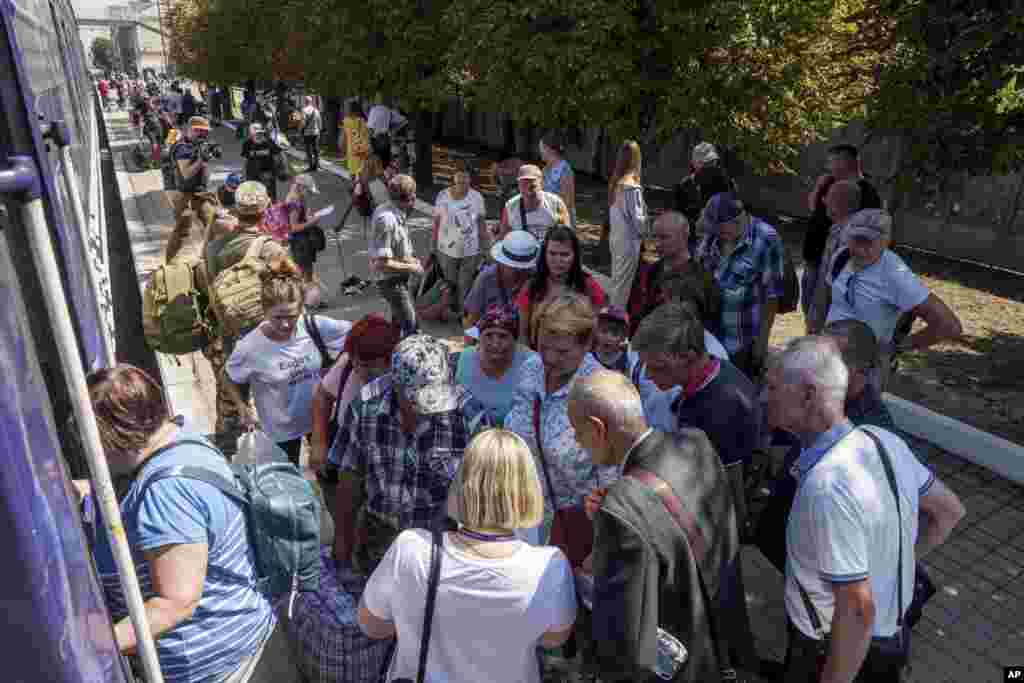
(645, 572)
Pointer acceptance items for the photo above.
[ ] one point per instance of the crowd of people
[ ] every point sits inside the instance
(567, 495)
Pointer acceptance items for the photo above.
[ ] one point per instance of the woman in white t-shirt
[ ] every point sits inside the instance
(367, 356)
(460, 235)
(280, 359)
(498, 597)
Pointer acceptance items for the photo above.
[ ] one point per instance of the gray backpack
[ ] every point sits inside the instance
(282, 513)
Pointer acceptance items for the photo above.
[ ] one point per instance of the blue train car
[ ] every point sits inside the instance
(56, 324)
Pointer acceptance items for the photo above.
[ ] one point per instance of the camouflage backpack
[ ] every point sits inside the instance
(174, 308)
(236, 292)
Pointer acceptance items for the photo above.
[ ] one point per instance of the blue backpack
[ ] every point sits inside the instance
(282, 513)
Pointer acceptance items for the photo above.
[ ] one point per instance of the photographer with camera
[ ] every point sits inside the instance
(262, 159)
(191, 156)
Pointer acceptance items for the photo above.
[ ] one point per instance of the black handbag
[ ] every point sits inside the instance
(436, 550)
(885, 653)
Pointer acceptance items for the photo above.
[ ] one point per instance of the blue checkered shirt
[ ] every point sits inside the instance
(406, 476)
(325, 629)
(752, 274)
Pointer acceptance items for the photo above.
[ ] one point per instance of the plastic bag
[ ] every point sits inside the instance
(256, 448)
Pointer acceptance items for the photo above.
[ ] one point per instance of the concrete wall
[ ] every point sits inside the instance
(979, 218)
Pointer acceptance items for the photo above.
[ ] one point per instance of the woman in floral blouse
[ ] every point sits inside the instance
(565, 335)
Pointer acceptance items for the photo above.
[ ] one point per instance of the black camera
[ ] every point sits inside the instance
(209, 151)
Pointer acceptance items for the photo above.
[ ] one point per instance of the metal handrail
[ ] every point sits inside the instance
(21, 180)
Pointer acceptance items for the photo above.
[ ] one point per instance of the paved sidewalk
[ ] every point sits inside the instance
(971, 629)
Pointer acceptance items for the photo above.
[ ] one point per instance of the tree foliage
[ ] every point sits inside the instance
(761, 76)
(954, 91)
(764, 77)
(102, 53)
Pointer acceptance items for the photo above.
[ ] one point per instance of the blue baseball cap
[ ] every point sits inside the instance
(724, 207)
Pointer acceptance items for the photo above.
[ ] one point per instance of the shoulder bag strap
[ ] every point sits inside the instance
(318, 340)
(812, 612)
(638, 371)
(522, 212)
(436, 550)
(685, 520)
(202, 474)
(891, 476)
(683, 517)
(540, 449)
(346, 372)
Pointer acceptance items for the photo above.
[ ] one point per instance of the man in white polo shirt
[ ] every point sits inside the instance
(846, 537)
(876, 287)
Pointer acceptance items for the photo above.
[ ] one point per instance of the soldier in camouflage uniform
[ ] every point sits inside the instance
(227, 413)
(228, 242)
(192, 201)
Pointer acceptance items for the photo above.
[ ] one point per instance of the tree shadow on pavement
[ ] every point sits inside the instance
(979, 380)
(995, 282)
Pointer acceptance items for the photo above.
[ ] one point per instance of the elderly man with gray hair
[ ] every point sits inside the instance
(667, 561)
(715, 396)
(866, 509)
(864, 406)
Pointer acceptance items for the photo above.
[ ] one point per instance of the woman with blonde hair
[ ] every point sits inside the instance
(282, 359)
(498, 597)
(565, 332)
(628, 217)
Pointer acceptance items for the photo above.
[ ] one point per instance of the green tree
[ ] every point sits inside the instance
(763, 77)
(953, 91)
(102, 52)
(758, 76)
(396, 50)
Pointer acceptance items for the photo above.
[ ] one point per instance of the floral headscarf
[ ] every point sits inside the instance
(504, 317)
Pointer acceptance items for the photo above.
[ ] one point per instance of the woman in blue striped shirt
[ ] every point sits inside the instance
(189, 541)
